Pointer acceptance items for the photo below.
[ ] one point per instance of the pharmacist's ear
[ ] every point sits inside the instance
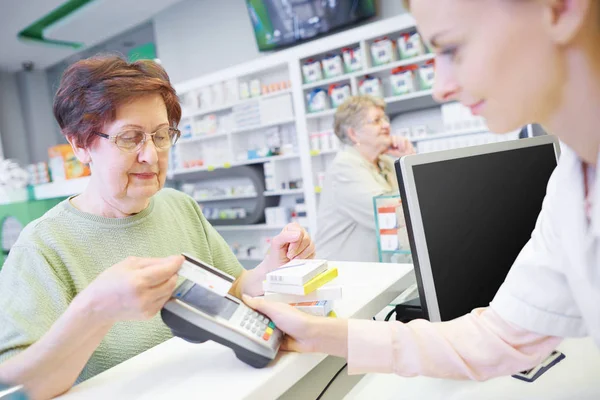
(565, 19)
(82, 153)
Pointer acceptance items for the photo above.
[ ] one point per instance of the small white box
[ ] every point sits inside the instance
(339, 94)
(402, 81)
(389, 240)
(371, 86)
(318, 100)
(387, 220)
(332, 66)
(244, 90)
(297, 272)
(254, 88)
(352, 60)
(410, 45)
(312, 72)
(383, 51)
(426, 76)
(276, 215)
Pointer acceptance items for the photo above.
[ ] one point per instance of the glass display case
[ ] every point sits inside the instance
(392, 236)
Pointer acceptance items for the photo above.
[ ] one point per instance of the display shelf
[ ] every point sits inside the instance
(212, 110)
(257, 227)
(395, 64)
(451, 134)
(203, 138)
(64, 188)
(225, 198)
(321, 114)
(184, 171)
(368, 71)
(264, 126)
(284, 192)
(328, 81)
(422, 99)
(416, 101)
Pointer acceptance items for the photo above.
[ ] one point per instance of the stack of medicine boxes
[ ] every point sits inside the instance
(304, 284)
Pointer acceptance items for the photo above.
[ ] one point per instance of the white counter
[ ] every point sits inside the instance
(177, 369)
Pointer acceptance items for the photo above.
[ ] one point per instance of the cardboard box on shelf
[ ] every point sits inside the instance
(64, 165)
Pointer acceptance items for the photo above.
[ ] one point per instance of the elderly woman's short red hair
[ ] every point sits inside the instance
(91, 90)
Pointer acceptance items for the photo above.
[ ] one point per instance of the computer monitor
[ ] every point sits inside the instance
(469, 212)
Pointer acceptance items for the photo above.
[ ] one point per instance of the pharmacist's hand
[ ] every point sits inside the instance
(296, 324)
(134, 289)
(400, 146)
(293, 242)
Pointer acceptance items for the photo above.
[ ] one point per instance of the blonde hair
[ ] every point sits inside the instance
(352, 113)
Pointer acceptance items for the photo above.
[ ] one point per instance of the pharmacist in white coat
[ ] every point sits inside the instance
(361, 170)
(553, 289)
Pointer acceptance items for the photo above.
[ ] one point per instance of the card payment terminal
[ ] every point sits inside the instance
(197, 314)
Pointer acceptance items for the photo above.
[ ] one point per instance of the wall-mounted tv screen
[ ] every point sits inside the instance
(282, 23)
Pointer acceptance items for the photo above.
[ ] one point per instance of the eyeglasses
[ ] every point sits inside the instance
(132, 140)
(379, 120)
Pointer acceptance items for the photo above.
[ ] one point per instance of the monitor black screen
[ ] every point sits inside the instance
(478, 212)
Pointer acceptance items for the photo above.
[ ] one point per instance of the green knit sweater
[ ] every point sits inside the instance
(61, 253)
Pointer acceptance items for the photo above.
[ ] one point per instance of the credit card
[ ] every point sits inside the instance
(206, 275)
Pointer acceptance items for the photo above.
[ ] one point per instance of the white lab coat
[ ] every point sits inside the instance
(553, 288)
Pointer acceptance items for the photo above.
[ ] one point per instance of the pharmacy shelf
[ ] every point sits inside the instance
(368, 71)
(202, 138)
(185, 171)
(451, 134)
(64, 188)
(321, 114)
(224, 198)
(396, 64)
(283, 192)
(257, 227)
(328, 81)
(410, 102)
(404, 103)
(195, 113)
(264, 126)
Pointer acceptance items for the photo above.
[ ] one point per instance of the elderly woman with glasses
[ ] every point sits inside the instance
(364, 168)
(81, 288)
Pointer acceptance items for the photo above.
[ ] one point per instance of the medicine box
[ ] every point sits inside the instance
(383, 51)
(332, 66)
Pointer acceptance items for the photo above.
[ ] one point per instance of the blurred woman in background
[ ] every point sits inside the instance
(364, 168)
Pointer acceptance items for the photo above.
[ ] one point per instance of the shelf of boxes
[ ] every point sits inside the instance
(264, 126)
(216, 109)
(63, 188)
(202, 138)
(369, 71)
(183, 171)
